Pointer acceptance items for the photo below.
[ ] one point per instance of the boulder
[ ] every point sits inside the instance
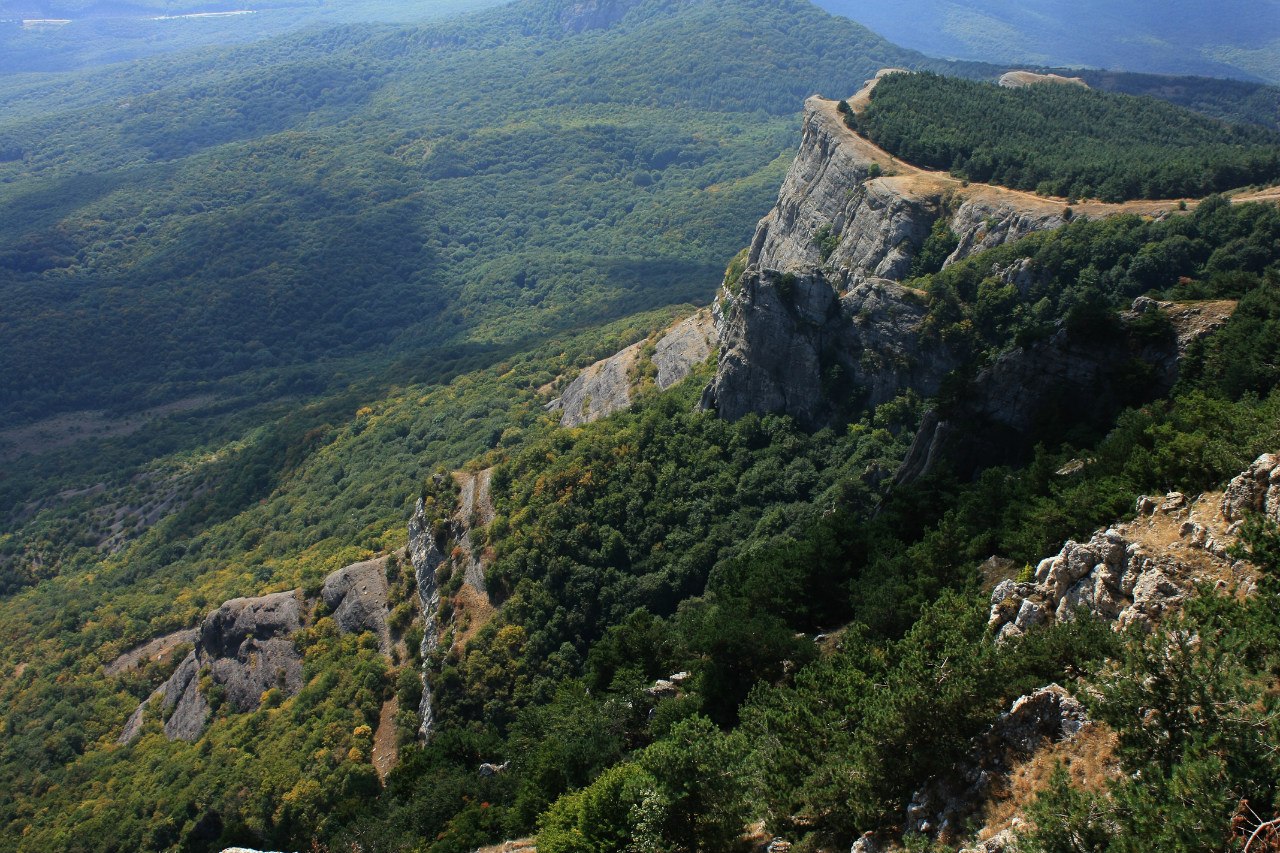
(356, 597)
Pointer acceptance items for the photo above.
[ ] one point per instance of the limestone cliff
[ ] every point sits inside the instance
(815, 320)
(851, 208)
(610, 384)
(449, 563)
(246, 647)
(792, 344)
(1133, 573)
(1073, 377)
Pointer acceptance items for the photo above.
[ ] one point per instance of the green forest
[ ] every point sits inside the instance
(1064, 140)
(337, 265)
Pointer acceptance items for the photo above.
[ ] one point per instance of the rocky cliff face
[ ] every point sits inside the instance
(817, 313)
(357, 599)
(609, 385)
(1073, 377)
(246, 647)
(877, 212)
(1134, 573)
(425, 552)
(793, 345)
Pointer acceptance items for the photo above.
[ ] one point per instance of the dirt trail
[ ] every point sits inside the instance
(917, 180)
(385, 752)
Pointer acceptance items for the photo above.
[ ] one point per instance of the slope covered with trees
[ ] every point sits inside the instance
(388, 283)
(1065, 140)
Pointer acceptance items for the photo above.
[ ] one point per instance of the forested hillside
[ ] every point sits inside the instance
(69, 35)
(301, 283)
(507, 194)
(1064, 140)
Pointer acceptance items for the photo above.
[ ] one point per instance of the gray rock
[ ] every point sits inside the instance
(608, 385)
(689, 343)
(426, 554)
(594, 14)
(1001, 842)
(1256, 490)
(879, 224)
(865, 844)
(1030, 615)
(188, 711)
(789, 344)
(357, 599)
(599, 390)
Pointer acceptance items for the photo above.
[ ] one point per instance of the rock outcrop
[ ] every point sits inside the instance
(1019, 79)
(599, 390)
(609, 385)
(875, 211)
(425, 552)
(1135, 573)
(792, 345)
(849, 214)
(1256, 490)
(246, 647)
(1074, 377)
(686, 345)
(357, 599)
(594, 14)
(1049, 715)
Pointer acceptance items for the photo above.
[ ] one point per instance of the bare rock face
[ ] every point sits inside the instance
(817, 315)
(594, 14)
(1256, 490)
(357, 599)
(188, 711)
(689, 343)
(475, 509)
(608, 385)
(983, 223)
(1135, 573)
(790, 344)
(426, 554)
(876, 221)
(1073, 377)
(599, 390)
(245, 647)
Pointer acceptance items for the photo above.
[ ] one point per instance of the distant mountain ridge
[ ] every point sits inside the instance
(1235, 38)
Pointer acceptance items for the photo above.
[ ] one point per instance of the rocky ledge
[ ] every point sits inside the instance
(1134, 573)
(246, 647)
(609, 385)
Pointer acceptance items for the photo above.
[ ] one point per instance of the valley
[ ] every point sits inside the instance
(391, 462)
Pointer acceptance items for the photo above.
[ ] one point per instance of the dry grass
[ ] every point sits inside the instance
(1089, 758)
(520, 845)
(472, 610)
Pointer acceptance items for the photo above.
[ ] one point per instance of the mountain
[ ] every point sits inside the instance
(370, 486)
(1238, 39)
(58, 36)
